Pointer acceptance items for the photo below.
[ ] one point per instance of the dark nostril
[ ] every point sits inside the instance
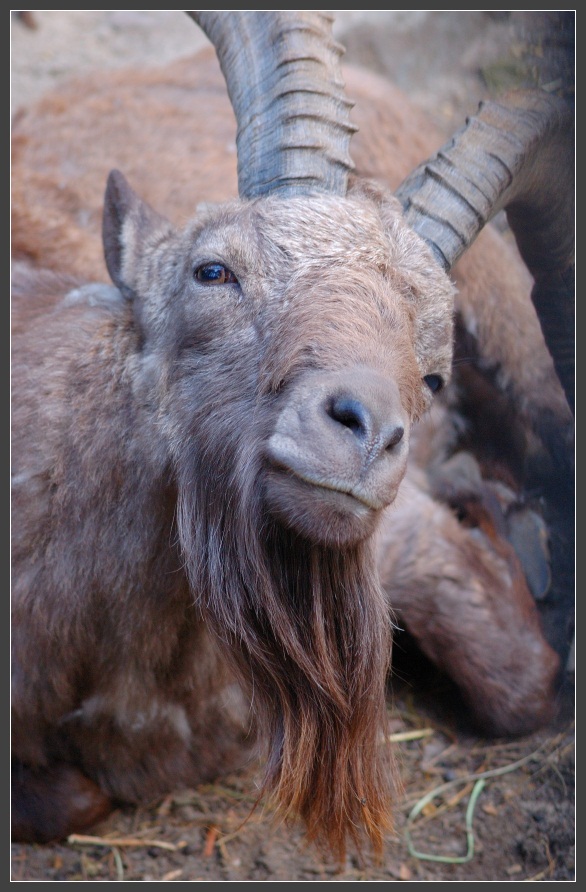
(351, 413)
(395, 437)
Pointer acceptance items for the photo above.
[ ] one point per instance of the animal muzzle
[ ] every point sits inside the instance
(337, 453)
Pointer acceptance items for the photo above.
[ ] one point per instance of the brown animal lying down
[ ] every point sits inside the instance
(215, 518)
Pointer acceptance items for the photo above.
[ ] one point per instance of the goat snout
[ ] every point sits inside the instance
(373, 432)
(338, 452)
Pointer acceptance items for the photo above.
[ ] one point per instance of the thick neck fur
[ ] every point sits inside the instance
(308, 632)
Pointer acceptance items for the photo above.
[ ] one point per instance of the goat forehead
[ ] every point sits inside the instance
(310, 226)
(227, 233)
(324, 228)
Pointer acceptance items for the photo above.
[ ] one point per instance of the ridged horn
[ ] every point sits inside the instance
(283, 76)
(516, 154)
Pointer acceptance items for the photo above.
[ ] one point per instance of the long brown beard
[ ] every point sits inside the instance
(307, 630)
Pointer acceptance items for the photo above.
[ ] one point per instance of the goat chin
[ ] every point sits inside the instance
(318, 512)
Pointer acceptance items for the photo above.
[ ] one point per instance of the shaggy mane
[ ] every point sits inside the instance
(307, 629)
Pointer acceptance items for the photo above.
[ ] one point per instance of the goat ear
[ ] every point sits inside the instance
(127, 225)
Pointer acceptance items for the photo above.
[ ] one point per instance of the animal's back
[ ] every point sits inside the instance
(172, 131)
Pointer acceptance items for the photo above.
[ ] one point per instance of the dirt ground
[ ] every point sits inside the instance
(473, 808)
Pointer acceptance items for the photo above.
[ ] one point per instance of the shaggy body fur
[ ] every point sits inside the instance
(200, 546)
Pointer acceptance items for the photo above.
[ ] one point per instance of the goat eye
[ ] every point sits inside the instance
(434, 382)
(215, 274)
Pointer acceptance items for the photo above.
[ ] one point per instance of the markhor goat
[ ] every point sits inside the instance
(213, 510)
